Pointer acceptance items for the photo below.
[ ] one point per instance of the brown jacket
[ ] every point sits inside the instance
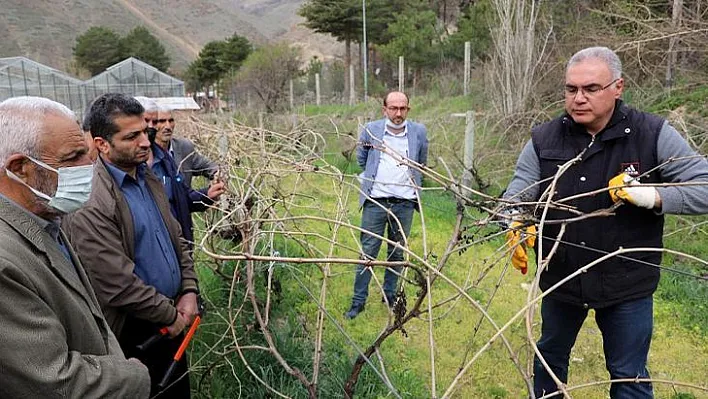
(103, 234)
(54, 341)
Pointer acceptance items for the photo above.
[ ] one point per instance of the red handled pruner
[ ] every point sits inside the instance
(150, 341)
(185, 343)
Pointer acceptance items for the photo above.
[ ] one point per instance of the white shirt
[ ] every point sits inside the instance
(393, 178)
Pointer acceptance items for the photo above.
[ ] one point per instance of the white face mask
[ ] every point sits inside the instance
(395, 126)
(73, 186)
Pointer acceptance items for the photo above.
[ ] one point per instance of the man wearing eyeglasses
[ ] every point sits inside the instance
(390, 151)
(629, 154)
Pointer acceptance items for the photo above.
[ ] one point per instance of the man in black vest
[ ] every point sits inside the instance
(618, 147)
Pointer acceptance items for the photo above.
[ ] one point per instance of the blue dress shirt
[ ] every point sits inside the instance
(155, 260)
(160, 168)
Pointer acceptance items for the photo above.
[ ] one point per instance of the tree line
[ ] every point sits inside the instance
(427, 33)
(662, 42)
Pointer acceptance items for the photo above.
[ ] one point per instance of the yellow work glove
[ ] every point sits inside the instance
(630, 190)
(518, 239)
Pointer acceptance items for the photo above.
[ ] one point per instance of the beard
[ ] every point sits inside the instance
(126, 159)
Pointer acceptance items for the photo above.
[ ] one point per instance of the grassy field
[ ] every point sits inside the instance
(679, 349)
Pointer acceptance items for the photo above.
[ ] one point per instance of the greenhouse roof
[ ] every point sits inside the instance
(132, 70)
(20, 76)
(136, 78)
(24, 68)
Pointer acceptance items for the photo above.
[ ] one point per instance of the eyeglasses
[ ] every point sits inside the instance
(396, 109)
(588, 91)
(156, 121)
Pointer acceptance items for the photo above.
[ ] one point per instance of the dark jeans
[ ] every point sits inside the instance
(626, 335)
(157, 357)
(377, 220)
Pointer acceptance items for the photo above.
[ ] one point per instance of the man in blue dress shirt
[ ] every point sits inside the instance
(138, 260)
(183, 199)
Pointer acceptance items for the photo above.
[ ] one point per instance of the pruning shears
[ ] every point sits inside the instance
(201, 312)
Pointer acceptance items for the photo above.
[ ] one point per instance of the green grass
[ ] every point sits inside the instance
(686, 296)
(679, 347)
(692, 98)
(336, 110)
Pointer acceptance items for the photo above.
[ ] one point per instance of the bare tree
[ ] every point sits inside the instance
(671, 59)
(267, 73)
(516, 54)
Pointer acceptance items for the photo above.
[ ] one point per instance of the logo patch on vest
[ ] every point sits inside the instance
(630, 168)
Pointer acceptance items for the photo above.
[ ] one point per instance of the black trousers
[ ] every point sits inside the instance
(157, 357)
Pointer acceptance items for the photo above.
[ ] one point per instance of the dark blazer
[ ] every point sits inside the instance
(104, 236)
(190, 162)
(184, 200)
(54, 340)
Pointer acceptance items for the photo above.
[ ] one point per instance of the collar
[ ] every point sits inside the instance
(120, 175)
(617, 126)
(51, 227)
(402, 134)
(158, 154)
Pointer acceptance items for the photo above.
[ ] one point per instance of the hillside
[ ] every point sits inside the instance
(45, 30)
(278, 20)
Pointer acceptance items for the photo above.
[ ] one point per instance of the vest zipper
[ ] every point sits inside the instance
(582, 153)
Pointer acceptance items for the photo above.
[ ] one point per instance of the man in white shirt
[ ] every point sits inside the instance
(389, 191)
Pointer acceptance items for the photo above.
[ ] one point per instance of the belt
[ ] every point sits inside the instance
(393, 200)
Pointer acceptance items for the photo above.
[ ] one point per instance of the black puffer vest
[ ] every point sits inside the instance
(628, 143)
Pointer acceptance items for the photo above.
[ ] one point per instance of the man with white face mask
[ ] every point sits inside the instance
(54, 339)
(387, 150)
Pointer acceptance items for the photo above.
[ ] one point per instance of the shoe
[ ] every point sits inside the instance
(354, 311)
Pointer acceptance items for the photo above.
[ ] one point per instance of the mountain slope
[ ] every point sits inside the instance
(46, 30)
(278, 20)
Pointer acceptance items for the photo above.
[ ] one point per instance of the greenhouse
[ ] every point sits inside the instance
(136, 78)
(20, 76)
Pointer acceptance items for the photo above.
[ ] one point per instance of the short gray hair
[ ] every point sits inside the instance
(603, 54)
(148, 103)
(22, 121)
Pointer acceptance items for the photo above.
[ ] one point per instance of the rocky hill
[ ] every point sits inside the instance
(46, 30)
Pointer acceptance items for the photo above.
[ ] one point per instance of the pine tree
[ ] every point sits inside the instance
(98, 48)
(141, 44)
